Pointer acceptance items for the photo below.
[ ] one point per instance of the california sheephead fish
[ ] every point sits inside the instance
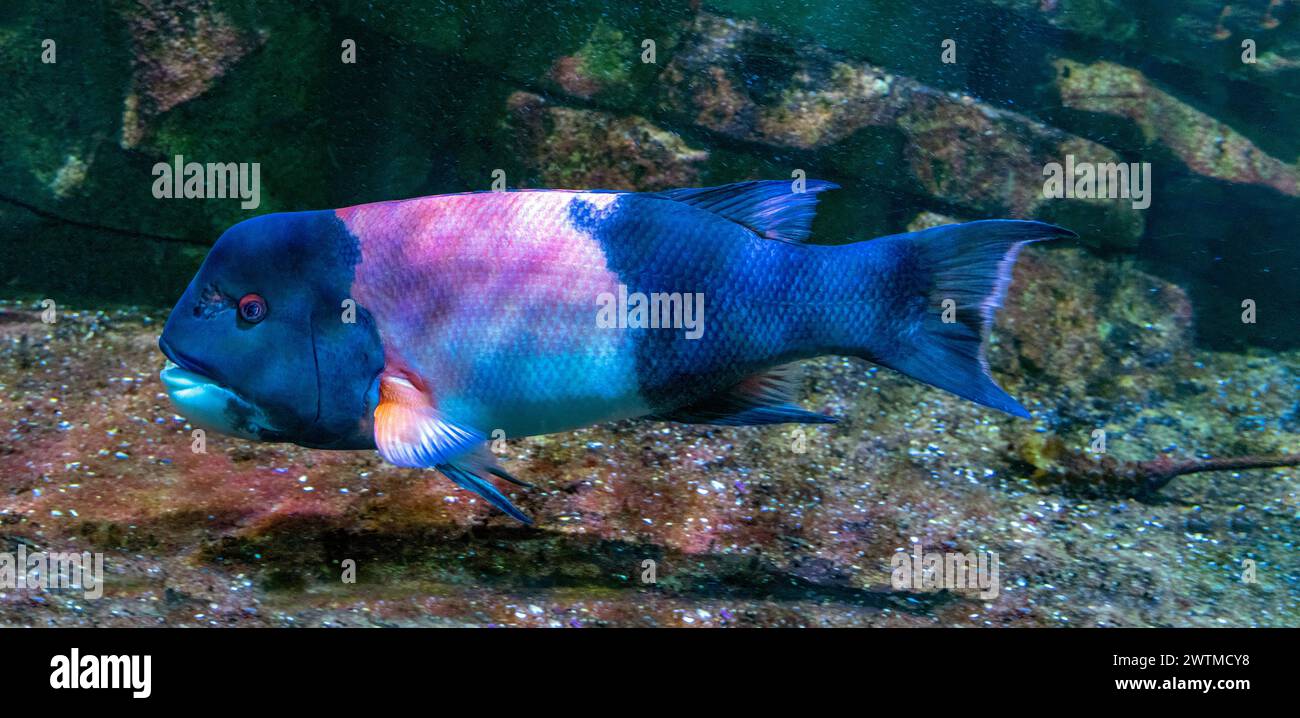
(422, 327)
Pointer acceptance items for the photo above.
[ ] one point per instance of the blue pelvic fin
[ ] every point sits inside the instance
(410, 432)
(773, 209)
(765, 398)
(471, 474)
(500, 473)
(969, 264)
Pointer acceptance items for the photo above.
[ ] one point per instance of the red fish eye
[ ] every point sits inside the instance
(252, 308)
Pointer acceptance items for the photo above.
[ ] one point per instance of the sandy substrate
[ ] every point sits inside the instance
(745, 526)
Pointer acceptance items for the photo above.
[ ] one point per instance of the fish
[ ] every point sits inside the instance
(424, 328)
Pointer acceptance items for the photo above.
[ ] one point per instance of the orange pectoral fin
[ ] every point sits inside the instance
(410, 432)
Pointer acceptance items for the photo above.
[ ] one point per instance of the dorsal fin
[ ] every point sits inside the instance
(770, 208)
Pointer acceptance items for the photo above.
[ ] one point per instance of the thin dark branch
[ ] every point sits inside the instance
(1086, 475)
(46, 214)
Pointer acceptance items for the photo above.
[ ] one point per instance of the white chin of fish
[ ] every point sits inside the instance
(211, 406)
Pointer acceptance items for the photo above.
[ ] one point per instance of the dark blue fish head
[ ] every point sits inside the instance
(266, 343)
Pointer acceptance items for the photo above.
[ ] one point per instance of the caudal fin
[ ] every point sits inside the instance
(964, 269)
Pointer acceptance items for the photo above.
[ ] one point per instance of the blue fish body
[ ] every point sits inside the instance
(540, 311)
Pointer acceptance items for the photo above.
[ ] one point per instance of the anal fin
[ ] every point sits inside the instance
(764, 398)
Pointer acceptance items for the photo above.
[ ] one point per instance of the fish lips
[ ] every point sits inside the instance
(209, 404)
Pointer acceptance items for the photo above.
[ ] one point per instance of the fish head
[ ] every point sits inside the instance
(264, 345)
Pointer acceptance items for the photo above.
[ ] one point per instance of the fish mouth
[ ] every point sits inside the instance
(210, 405)
(176, 359)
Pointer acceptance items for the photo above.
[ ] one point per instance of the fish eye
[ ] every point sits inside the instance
(252, 308)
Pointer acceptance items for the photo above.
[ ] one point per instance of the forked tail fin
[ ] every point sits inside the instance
(963, 269)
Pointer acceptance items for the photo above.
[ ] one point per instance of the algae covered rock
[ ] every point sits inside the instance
(1207, 146)
(1206, 35)
(1091, 339)
(568, 147)
(179, 49)
(749, 83)
(604, 61)
(57, 57)
(1086, 328)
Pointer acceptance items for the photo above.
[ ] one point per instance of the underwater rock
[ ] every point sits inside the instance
(1076, 336)
(926, 220)
(570, 73)
(1203, 34)
(740, 79)
(56, 115)
(1093, 338)
(568, 147)
(603, 61)
(70, 176)
(1206, 145)
(746, 82)
(1113, 20)
(180, 48)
